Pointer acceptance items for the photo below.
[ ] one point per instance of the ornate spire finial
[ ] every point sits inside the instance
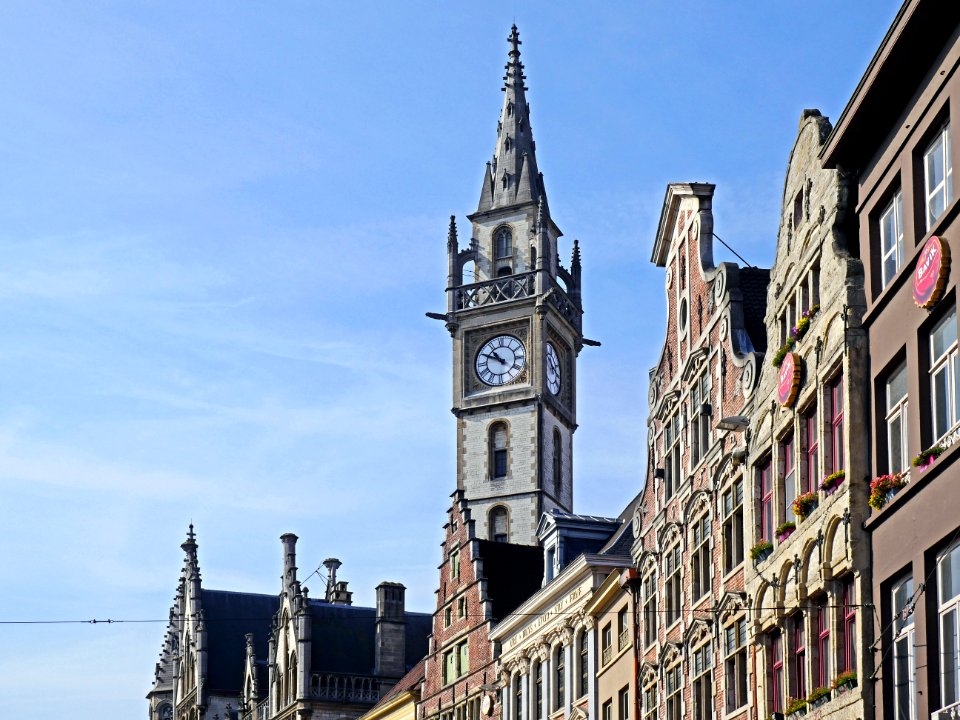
(452, 232)
(575, 262)
(190, 534)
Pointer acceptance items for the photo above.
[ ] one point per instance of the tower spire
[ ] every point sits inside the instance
(512, 177)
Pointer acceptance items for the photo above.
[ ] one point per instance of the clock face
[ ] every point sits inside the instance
(553, 369)
(500, 360)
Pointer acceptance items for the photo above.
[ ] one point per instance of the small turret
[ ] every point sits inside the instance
(289, 541)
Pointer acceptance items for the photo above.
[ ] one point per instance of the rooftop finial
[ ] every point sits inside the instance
(452, 232)
(190, 534)
(514, 77)
(575, 263)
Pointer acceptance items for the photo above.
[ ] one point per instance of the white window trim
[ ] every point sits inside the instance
(944, 608)
(943, 187)
(946, 362)
(897, 410)
(896, 247)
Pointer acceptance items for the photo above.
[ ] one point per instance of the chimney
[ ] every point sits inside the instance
(289, 541)
(332, 565)
(390, 653)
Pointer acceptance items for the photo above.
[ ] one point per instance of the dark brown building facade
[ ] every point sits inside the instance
(896, 141)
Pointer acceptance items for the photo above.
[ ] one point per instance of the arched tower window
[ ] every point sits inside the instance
(499, 452)
(533, 257)
(503, 243)
(504, 271)
(557, 462)
(292, 678)
(469, 272)
(499, 524)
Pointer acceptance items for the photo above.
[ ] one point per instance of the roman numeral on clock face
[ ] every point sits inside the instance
(500, 360)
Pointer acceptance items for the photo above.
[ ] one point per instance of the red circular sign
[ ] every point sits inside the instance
(930, 275)
(788, 380)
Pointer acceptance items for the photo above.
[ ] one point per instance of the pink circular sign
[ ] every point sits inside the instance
(930, 275)
(788, 380)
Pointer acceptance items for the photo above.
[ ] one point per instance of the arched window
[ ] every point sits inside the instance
(469, 273)
(503, 243)
(499, 524)
(557, 462)
(292, 678)
(499, 457)
(559, 666)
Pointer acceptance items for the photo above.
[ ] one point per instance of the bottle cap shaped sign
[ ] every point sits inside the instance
(930, 276)
(788, 380)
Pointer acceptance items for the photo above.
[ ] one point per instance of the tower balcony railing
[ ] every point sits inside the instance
(498, 290)
(344, 688)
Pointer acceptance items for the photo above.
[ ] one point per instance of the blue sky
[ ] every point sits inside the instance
(220, 227)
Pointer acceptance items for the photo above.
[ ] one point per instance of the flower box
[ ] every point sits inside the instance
(761, 551)
(805, 504)
(796, 334)
(927, 457)
(817, 697)
(796, 707)
(786, 530)
(831, 482)
(883, 488)
(845, 681)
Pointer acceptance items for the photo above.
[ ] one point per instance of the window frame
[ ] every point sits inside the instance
(650, 607)
(835, 424)
(811, 433)
(848, 624)
(896, 420)
(700, 424)
(798, 635)
(732, 525)
(671, 455)
(776, 659)
(701, 565)
(788, 476)
(821, 671)
(943, 187)
(894, 210)
(735, 665)
(673, 584)
(765, 481)
(673, 692)
(903, 639)
(949, 607)
(702, 682)
(947, 362)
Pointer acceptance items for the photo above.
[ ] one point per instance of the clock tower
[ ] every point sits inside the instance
(514, 314)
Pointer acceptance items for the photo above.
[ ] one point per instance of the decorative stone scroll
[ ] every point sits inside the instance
(932, 271)
(788, 379)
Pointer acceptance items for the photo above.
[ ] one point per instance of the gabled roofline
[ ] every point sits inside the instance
(668, 215)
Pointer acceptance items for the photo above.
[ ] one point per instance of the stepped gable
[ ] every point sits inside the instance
(513, 573)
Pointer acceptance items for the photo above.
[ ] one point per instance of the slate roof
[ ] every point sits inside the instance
(229, 616)
(344, 637)
(753, 286)
(513, 574)
(411, 681)
(621, 542)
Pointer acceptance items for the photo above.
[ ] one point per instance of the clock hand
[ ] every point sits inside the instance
(499, 359)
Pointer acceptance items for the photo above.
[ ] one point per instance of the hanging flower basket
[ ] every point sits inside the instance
(884, 488)
(844, 681)
(927, 457)
(832, 482)
(795, 707)
(805, 504)
(786, 530)
(818, 696)
(761, 551)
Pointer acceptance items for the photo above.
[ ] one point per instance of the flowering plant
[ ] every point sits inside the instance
(796, 333)
(831, 481)
(761, 550)
(928, 455)
(794, 705)
(883, 485)
(785, 530)
(817, 693)
(804, 504)
(845, 678)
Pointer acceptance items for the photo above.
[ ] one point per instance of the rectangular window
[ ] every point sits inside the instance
(455, 565)
(789, 475)
(735, 664)
(948, 596)
(775, 697)
(500, 463)
(798, 687)
(733, 527)
(623, 629)
(834, 398)
(449, 666)
(518, 698)
(606, 644)
(464, 657)
(462, 607)
(811, 468)
(671, 455)
(700, 412)
(702, 684)
(671, 587)
(673, 693)
(623, 701)
(904, 663)
(584, 663)
(607, 710)
(649, 609)
(766, 501)
(447, 616)
(650, 702)
(538, 704)
(944, 388)
(848, 626)
(938, 175)
(896, 392)
(891, 238)
(821, 672)
(560, 676)
(702, 567)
